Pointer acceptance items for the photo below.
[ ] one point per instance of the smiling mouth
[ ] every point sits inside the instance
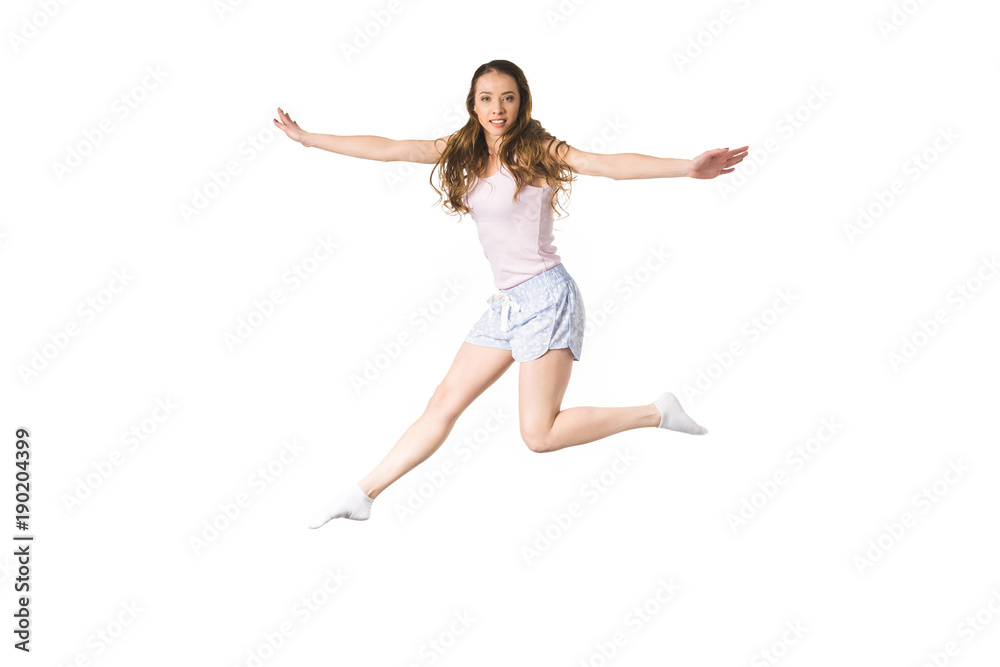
(499, 123)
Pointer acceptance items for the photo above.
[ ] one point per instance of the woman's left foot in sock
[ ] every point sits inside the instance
(673, 417)
(351, 504)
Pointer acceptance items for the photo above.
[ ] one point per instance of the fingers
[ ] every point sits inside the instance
(282, 126)
(731, 158)
(735, 151)
(736, 158)
(739, 153)
(285, 118)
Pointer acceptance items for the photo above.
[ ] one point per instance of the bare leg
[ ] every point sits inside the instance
(546, 428)
(474, 369)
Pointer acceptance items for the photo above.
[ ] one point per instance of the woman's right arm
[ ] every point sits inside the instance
(365, 146)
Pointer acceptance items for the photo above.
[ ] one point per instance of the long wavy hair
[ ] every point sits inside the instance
(523, 149)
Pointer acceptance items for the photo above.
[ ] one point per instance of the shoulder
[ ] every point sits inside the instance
(438, 146)
(423, 151)
(441, 143)
(579, 162)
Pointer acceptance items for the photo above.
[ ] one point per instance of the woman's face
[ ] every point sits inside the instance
(496, 99)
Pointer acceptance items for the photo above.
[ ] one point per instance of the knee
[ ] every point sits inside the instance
(536, 439)
(444, 404)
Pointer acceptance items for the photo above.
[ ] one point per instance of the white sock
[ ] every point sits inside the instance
(673, 417)
(351, 504)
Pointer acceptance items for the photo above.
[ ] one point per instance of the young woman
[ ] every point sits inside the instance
(505, 170)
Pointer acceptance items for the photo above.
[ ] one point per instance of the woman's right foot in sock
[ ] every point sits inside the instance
(673, 417)
(351, 504)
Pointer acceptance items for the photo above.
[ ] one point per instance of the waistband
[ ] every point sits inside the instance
(544, 282)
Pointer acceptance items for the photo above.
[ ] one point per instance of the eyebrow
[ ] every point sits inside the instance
(486, 92)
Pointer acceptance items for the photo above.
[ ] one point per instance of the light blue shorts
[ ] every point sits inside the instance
(542, 313)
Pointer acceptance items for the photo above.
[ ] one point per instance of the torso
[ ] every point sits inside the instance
(493, 166)
(516, 232)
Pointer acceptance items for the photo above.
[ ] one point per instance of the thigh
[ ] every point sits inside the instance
(541, 386)
(550, 320)
(473, 370)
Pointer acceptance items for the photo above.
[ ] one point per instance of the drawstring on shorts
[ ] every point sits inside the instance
(506, 306)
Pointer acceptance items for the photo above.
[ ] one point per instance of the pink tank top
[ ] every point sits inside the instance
(516, 236)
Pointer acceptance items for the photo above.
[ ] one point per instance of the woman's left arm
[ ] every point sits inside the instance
(622, 166)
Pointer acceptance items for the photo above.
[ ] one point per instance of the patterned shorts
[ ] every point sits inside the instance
(542, 313)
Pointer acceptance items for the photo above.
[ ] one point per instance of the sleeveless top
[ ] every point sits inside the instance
(517, 237)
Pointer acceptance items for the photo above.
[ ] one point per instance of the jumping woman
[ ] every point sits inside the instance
(504, 169)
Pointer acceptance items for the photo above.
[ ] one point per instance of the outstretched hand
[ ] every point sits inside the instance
(289, 126)
(717, 161)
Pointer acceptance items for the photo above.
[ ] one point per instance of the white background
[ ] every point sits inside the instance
(606, 77)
